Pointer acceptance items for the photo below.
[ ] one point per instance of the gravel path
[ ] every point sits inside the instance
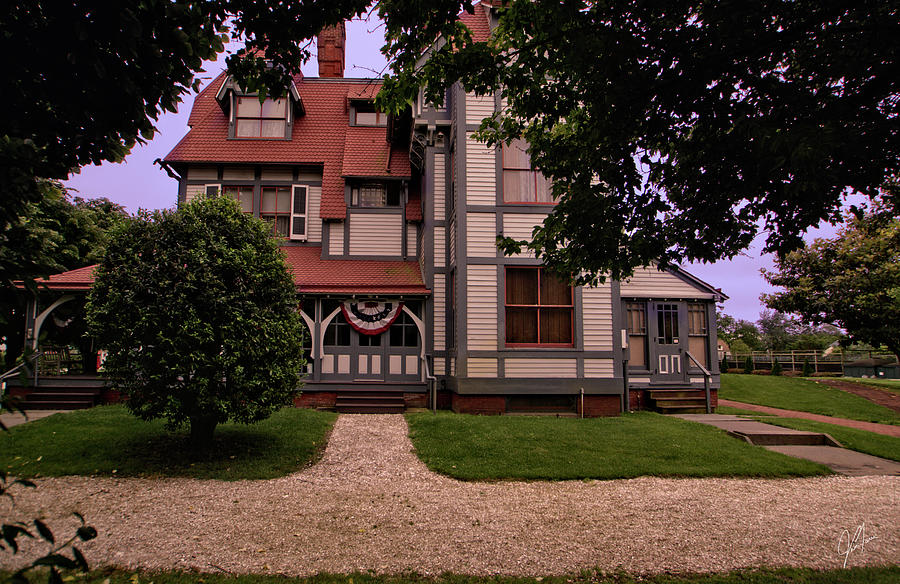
(886, 429)
(370, 504)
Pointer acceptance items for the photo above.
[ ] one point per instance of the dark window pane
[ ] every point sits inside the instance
(521, 286)
(521, 325)
(554, 291)
(300, 200)
(556, 325)
(300, 225)
(396, 335)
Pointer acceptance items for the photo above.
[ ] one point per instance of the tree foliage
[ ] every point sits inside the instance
(199, 315)
(121, 65)
(673, 129)
(851, 281)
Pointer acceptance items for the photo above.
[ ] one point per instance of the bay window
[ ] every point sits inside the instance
(539, 309)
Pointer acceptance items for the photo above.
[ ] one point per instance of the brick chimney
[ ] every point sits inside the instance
(331, 50)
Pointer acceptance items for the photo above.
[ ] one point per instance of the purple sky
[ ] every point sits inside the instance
(138, 183)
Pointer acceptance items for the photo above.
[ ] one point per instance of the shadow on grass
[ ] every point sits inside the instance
(109, 441)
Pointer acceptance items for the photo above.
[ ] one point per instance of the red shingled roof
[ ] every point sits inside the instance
(478, 24)
(318, 138)
(311, 274)
(73, 280)
(368, 153)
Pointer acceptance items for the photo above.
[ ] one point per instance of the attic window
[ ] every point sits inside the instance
(375, 195)
(363, 113)
(261, 120)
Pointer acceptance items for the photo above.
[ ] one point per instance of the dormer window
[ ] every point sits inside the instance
(375, 195)
(363, 113)
(261, 120)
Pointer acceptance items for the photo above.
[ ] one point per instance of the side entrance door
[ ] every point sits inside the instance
(667, 342)
(370, 351)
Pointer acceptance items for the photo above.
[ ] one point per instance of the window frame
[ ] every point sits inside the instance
(285, 118)
(264, 216)
(381, 118)
(537, 307)
(389, 191)
(535, 175)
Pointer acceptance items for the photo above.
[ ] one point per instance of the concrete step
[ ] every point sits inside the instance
(682, 409)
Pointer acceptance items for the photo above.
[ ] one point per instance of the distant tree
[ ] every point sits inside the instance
(776, 330)
(198, 313)
(851, 281)
(741, 335)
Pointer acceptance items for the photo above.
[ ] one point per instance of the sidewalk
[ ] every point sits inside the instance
(14, 419)
(886, 429)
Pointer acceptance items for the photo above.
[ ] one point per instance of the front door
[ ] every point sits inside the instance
(370, 351)
(666, 342)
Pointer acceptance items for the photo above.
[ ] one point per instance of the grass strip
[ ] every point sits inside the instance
(804, 396)
(858, 575)
(107, 440)
(892, 385)
(631, 445)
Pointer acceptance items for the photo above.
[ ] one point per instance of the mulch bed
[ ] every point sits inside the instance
(876, 395)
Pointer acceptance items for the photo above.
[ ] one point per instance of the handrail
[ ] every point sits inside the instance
(707, 379)
(432, 380)
(12, 372)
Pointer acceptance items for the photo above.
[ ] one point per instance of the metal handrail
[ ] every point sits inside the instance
(432, 380)
(707, 379)
(15, 370)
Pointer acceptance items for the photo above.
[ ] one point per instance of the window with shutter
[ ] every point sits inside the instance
(298, 212)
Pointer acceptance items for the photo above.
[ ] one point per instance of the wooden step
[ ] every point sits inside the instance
(369, 402)
(678, 400)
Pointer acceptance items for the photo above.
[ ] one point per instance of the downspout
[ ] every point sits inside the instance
(626, 395)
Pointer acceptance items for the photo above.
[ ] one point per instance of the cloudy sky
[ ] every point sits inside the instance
(138, 183)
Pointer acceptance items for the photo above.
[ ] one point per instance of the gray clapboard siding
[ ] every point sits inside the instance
(440, 186)
(191, 191)
(481, 308)
(481, 235)
(440, 312)
(597, 316)
(411, 240)
(478, 107)
(481, 173)
(520, 226)
(541, 368)
(604, 368)
(482, 367)
(651, 283)
(440, 243)
(376, 234)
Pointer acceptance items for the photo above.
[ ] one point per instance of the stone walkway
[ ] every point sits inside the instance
(886, 429)
(370, 504)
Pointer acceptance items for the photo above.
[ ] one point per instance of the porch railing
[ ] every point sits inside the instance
(29, 360)
(707, 379)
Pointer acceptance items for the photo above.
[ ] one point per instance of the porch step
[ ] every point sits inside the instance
(68, 392)
(680, 400)
(369, 402)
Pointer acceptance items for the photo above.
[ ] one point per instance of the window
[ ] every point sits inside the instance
(261, 120)
(667, 324)
(375, 195)
(404, 332)
(522, 184)
(243, 194)
(539, 308)
(697, 332)
(275, 209)
(298, 212)
(365, 114)
(338, 332)
(636, 323)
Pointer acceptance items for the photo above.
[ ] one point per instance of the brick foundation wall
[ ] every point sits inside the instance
(415, 400)
(315, 399)
(492, 405)
(601, 405)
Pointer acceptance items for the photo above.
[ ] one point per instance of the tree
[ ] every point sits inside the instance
(851, 281)
(53, 234)
(672, 129)
(123, 64)
(776, 330)
(199, 316)
(741, 335)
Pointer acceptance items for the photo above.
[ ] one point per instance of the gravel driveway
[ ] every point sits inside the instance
(370, 504)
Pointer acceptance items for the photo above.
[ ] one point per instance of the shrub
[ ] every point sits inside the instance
(748, 364)
(776, 366)
(807, 367)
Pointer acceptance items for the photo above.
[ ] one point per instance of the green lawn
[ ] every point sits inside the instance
(861, 440)
(108, 440)
(803, 395)
(865, 575)
(535, 448)
(888, 384)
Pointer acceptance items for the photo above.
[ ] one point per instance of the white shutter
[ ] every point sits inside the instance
(299, 216)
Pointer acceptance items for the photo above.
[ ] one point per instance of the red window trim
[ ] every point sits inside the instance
(570, 306)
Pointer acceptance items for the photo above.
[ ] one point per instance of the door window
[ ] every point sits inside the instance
(667, 324)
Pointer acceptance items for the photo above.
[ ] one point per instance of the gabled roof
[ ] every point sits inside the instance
(80, 279)
(478, 23)
(319, 139)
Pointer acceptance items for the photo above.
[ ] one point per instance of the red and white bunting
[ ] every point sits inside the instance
(371, 317)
